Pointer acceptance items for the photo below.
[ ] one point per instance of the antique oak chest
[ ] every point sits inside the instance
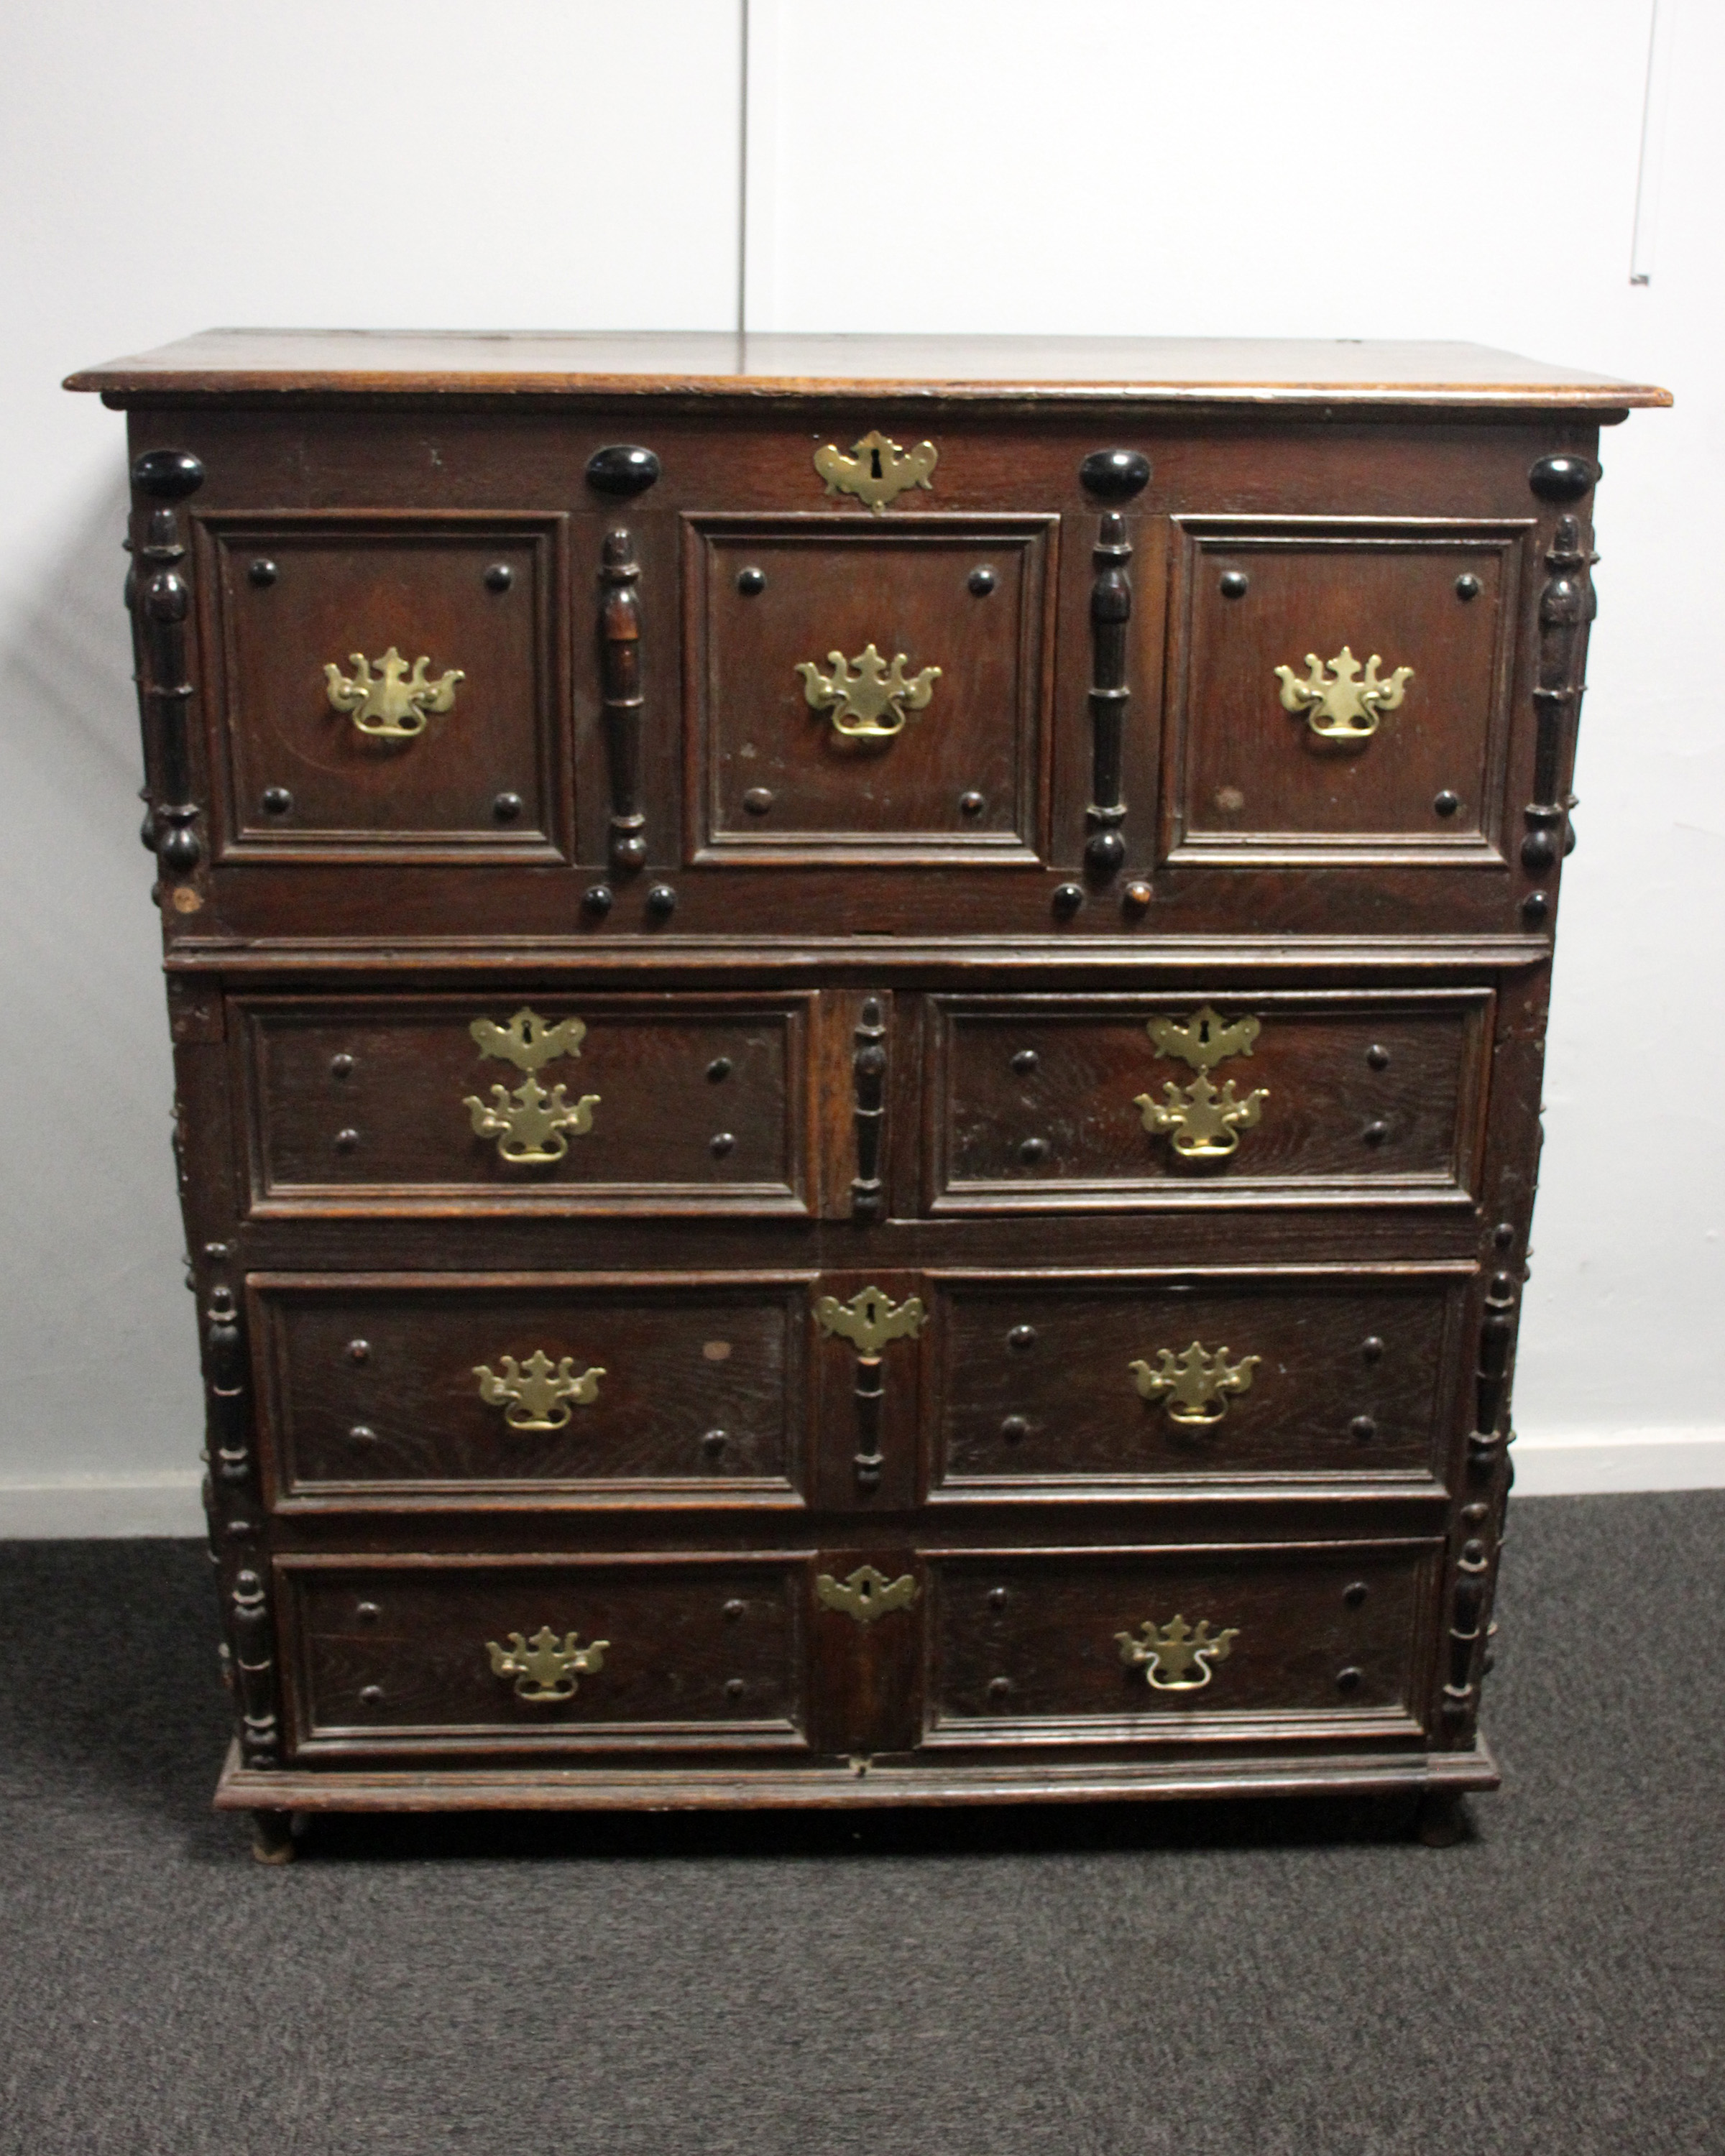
(857, 1028)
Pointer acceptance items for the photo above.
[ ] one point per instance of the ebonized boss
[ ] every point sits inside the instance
(859, 1037)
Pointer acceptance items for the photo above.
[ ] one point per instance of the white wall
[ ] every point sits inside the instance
(1340, 168)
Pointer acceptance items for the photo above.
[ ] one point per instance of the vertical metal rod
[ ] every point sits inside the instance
(1662, 30)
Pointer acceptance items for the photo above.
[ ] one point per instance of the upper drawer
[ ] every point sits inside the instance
(865, 691)
(1259, 1097)
(390, 683)
(1339, 690)
(492, 1103)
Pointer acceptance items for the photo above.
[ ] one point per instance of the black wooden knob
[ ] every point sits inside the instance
(722, 1143)
(498, 576)
(1371, 1348)
(367, 1613)
(720, 1068)
(1236, 583)
(277, 801)
(750, 581)
(1563, 479)
(342, 1066)
(1349, 1679)
(263, 572)
(997, 1598)
(1115, 474)
(1363, 1430)
(1013, 1427)
(758, 801)
(1355, 1593)
(733, 1609)
(1136, 896)
(1378, 1056)
(622, 470)
(1025, 1061)
(1446, 802)
(661, 900)
(734, 1688)
(1375, 1133)
(371, 1695)
(1539, 851)
(599, 898)
(167, 475)
(980, 582)
(1467, 586)
(1068, 898)
(363, 1433)
(507, 807)
(359, 1351)
(971, 804)
(1000, 1687)
(1535, 907)
(347, 1141)
(1021, 1337)
(1033, 1150)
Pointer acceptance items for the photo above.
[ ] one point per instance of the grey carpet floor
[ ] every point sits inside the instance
(1243, 1982)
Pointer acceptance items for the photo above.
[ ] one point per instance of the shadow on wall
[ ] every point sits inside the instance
(87, 1279)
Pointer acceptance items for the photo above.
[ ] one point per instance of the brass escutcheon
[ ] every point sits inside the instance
(1344, 704)
(866, 1595)
(530, 1124)
(865, 699)
(1178, 1648)
(545, 1667)
(391, 703)
(538, 1394)
(870, 1319)
(1194, 1387)
(877, 470)
(1203, 1121)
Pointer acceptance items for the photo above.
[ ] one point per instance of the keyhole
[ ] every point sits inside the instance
(875, 464)
(1203, 1031)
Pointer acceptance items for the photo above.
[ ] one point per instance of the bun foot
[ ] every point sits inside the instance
(273, 1837)
(1443, 1819)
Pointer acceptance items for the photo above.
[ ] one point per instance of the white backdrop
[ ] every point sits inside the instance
(1340, 169)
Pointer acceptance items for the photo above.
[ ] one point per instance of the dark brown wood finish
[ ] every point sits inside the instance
(867, 1337)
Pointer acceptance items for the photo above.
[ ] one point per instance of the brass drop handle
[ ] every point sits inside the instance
(538, 1394)
(1194, 1387)
(866, 698)
(1176, 1656)
(545, 1668)
(1339, 703)
(530, 1124)
(1202, 1120)
(391, 704)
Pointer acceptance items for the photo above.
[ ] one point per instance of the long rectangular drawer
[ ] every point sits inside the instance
(1249, 1097)
(661, 1388)
(492, 1102)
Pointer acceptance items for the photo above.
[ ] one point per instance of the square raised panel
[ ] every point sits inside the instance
(1393, 642)
(323, 627)
(861, 690)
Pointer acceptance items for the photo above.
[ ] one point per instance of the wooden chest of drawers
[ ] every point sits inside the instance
(858, 1031)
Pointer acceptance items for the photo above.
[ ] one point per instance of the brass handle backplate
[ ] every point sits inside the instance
(538, 1394)
(530, 1124)
(1203, 1121)
(1194, 1387)
(867, 699)
(1339, 703)
(391, 703)
(1181, 1653)
(545, 1667)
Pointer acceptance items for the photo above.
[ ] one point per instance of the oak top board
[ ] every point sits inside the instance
(251, 363)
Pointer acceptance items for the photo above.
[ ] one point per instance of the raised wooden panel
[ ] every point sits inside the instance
(699, 1104)
(1033, 1101)
(1024, 1647)
(1350, 1378)
(374, 1401)
(482, 594)
(772, 780)
(391, 1655)
(1248, 783)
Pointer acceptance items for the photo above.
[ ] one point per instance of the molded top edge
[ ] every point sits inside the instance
(699, 363)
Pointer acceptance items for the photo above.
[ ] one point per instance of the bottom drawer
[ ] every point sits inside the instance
(502, 1656)
(1320, 1640)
